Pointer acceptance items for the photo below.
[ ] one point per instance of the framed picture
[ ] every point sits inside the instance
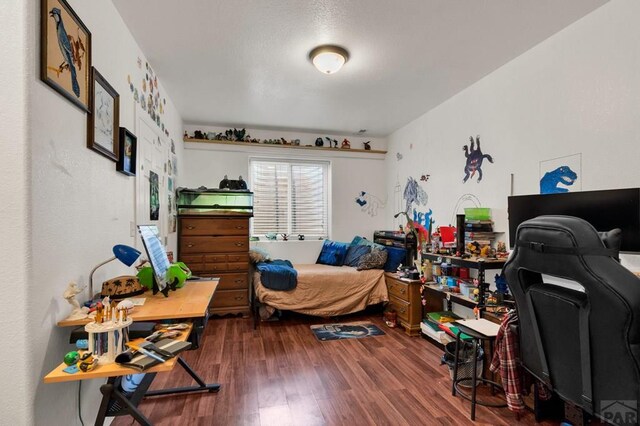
(65, 52)
(127, 159)
(104, 117)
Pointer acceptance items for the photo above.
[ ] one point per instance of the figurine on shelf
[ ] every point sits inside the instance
(367, 145)
(485, 252)
(70, 294)
(198, 134)
(301, 237)
(285, 237)
(345, 144)
(186, 134)
(295, 142)
(239, 134)
(320, 142)
(271, 236)
(284, 141)
(473, 248)
(332, 141)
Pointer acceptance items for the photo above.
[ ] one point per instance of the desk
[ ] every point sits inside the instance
(190, 302)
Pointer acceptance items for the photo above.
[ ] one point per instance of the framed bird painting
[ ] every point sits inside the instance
(103, 121)
(65, 52)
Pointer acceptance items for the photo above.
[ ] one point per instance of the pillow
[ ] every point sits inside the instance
(360, 241)
(373, 260)
(396, 256)
(332, 253)
(256, 254)
(354, 253)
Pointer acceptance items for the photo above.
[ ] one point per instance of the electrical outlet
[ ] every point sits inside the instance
(132, 229)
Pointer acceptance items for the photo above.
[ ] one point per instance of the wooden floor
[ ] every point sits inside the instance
(281, 375)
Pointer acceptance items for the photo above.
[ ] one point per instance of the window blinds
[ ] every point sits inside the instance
(290, 197)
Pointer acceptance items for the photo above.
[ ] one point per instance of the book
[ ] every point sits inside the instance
(143, 362)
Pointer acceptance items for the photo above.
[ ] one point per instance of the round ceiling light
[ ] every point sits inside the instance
(328, 59)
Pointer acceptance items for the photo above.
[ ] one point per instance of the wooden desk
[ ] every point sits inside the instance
(189, 302)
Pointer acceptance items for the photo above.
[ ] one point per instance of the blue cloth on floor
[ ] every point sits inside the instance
(278, 275)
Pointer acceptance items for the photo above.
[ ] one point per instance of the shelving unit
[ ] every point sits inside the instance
(400, 240)
(266, 145)
(481, 265)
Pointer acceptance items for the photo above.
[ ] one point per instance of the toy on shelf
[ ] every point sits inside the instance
(320, 142)
(345, 144)
(367, 145)
(70, 294)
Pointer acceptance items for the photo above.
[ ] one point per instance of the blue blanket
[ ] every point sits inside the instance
(278, 275)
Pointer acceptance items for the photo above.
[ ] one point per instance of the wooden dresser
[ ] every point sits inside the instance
(218, 246)
(404, 298)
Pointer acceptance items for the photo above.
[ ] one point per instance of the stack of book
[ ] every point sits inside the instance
(480, 231)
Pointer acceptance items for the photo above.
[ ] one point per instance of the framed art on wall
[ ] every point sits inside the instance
(128, 147)
(65, 52)
(103, 120)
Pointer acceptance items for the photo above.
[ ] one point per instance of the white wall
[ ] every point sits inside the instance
(576, 92)
(351, 173)
(14, 213)
(80, 205)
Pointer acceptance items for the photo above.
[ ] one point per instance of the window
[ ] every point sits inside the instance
(290, 197)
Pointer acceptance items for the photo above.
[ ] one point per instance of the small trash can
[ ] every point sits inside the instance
(465, 361)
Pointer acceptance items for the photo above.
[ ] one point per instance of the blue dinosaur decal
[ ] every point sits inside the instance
(421, 218)
(563, 175)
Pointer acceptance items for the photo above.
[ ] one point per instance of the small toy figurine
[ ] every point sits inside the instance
(284, 141)
(345, 144)
(295, 142)
(285, 237)
(70, 294)
(320, 142)
(87, 362)
(367, 145)
(300, 237)
(332, 141)
(186, 135)
(271, 236)
(198, 134)
(71, 357)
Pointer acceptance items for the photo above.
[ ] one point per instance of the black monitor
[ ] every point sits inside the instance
(605, 210)
(156, 253)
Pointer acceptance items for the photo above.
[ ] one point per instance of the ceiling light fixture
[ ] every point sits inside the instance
(328, 59)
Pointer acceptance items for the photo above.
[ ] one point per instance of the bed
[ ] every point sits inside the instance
(325, 290)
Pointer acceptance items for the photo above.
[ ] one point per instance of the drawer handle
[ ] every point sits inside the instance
(239, 244)
(239, 227)
(403, 310)
(403, 290)
(191, 227)
(239, 281)
(189, 245)
(239, 298)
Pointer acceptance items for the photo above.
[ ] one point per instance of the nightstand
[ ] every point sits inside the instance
(404, 298)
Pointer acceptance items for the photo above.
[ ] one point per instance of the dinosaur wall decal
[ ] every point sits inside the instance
(563, 175)
(475, 157)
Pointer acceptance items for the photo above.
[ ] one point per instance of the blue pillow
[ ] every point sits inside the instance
(333, 253)
(395, 258)
(354, 253)
(360, 241)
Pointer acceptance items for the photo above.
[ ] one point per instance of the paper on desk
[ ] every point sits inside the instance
(482, 326)
(137, 301)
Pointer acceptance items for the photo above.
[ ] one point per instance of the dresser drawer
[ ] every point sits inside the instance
(217, 226)
(401, 307)
(194, 263)
(214, 244)
(233, 282)
(215, 258)
(227, 298)
(211, 268)
(240, 257)
(398, 289)
(237, 266)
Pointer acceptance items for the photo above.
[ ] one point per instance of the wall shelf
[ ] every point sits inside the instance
(263, 145)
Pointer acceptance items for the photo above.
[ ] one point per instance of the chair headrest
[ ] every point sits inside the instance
(612, 240)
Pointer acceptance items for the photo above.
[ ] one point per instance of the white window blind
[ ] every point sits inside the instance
(290, 197)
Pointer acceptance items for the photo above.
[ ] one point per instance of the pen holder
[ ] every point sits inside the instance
(107, 340)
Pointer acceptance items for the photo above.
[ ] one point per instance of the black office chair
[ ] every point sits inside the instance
(585, 345)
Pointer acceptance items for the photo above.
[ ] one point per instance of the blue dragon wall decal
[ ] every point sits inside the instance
(475, 157)
(563, 175)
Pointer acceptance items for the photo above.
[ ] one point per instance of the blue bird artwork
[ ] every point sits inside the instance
(66, 49)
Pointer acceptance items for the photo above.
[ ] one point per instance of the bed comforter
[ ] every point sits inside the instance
(325, 290)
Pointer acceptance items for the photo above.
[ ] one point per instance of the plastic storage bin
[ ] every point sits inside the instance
(477, 213)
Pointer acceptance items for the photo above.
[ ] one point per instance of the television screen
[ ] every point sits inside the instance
(605, 210)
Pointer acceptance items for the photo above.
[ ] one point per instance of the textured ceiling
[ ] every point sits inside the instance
(244, 62)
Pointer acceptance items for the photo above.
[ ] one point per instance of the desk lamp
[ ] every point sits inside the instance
(125, 254)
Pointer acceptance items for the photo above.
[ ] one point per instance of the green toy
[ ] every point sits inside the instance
(71, 357)
(178, 271)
